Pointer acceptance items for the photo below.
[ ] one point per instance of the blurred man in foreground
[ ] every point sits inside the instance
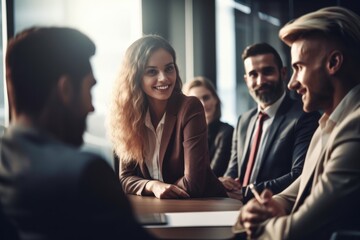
(48, 188)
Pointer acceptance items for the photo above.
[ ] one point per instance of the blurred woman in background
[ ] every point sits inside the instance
(219, 133)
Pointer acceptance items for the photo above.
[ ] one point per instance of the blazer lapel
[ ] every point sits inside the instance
(169, 124)
(311, 161)
(312, 156)
(170, 120)
(249, 132)
(272, 133)
(276, 124)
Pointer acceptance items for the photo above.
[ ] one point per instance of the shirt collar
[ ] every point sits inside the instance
(338, 114)
(148, 122)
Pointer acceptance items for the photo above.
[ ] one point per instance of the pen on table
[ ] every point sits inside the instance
(256, 194)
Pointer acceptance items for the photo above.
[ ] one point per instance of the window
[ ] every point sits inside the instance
(112, 24)
(3, 37)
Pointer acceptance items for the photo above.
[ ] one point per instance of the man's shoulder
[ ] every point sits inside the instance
(350, 124)
(73, 159)
(42, 150)
(248, 113)
(293, 107)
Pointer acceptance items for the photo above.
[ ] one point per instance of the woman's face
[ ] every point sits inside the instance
(207, 99)
(159, 77)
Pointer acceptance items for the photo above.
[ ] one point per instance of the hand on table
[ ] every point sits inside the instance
(230, 184)
(165, 190)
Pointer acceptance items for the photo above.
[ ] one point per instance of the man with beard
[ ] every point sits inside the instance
(48, 188)
(270, 142)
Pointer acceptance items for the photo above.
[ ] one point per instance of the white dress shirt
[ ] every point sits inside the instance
(152, 148)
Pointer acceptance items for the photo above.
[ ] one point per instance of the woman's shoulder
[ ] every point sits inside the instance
(181, 101)
(225, 127)
(184, 98)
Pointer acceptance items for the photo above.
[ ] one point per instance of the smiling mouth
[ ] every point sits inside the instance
(162, 87)
(263, 89)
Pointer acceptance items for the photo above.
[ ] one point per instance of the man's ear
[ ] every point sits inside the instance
(335, 61)
(65, 89)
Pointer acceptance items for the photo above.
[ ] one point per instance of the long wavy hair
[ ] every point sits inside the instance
(128, 106)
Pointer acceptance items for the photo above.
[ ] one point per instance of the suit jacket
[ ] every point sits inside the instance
(219, 141)
(326, 197)
(50, 190)
(184, 156)
(284, 153)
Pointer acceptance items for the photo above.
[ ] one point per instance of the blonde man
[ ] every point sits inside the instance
(325, 48)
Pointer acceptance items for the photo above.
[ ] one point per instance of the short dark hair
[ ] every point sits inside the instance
(37, 57)
(262, 48)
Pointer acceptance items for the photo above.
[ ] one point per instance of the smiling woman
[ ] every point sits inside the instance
(159, 134)
(159, 79)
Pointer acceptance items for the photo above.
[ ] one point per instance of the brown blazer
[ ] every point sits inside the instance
(184, 156)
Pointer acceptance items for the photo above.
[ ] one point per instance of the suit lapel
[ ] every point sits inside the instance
(170, 120)
(276, 124)
(311, 160)
(312, 156)
(272, 133)
(169, 124)
(249, 132)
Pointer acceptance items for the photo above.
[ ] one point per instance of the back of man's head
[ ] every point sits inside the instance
(37, 57)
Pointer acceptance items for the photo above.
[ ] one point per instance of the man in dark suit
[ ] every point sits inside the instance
(48, 188)
(286, 130)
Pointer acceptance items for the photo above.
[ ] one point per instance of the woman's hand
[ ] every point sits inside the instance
(165, 190)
